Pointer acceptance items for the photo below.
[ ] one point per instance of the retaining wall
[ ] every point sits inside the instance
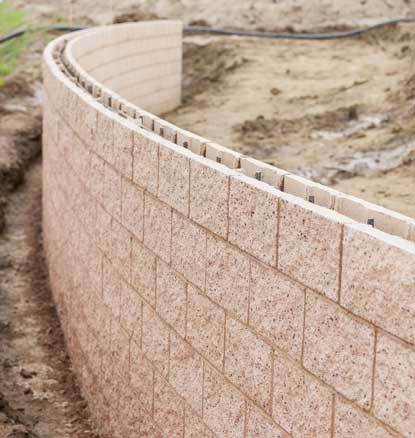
(203, 293)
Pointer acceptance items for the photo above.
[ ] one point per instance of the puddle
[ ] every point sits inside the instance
(360, 163)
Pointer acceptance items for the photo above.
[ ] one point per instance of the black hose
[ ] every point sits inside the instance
(247, 33)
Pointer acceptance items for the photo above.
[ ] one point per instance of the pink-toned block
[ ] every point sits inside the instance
(277, 308)
(141, 376)
(189, 250)
(132, 208)
(104, 141)
(223, 406)
(186, 372)
(149, 429)
(103, 230)
(339, 349)
(301, 404)
(395, 385)
(378, 279)
(120, 254)
(122, 156)
(174, 171)
(111, 194)
(352, 422)
(260, 426)
(209, 194)
(171, 297)
(168, 409)
(145, 167)
(194, 426)
(143, 271)
(111, 287)
(205, 326)
(129, 415)
(248, 362)
(130, 313)
(157, 227)
(309, 247)
(155, 340)
(227, 277)
(253, 218)
(119, 350)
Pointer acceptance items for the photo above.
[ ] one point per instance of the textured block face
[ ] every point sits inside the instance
(122, 156)
(253, 220)
(132, 208)
(157, 227)
(248, 362)
(301, 405)
(186, 372)
(223, 407)
(105, 136)
(339, 349)
(141, 376)
(209, 197)
(174, 175)
(168, 409)
(111, 194)
(259, 426)
(171, 297)
(143, 271)
(350, 421)
(227, 277)
(145, 167)
(130, 311)
(195, 428)
(309, 248)
(395, 385)
(120, 254)
(189, 250)
(277, 309)
(111, 287)
(155, 340)
(205, 326)
(378, 283)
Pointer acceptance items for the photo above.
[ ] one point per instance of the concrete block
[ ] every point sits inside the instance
(193, 142)
(104, 141)
(209, 195)
(253, 218)
(263, 172)
(157, 227)
(194, 427)
(277, 309)
(132, 208)
(227, 277)
(111, 194)
(143, 272)
(350, 421)
(165, 130)
(248, 362)
(296, 186)
(141, 376)
(186, 372)
(223, 155)
(155, 340)
(122, 157)
(171, 297)
(378, 279)
(174, 178)
(309, 246)
(111, 288)
(395, 384)
(352, 207)
(260, 426)
(189, 250)
(130, 311)
(120, 254)
(168, 409)
(223, 406)
(339, 349)
(205, 326)
(145, 153)
(301, 404)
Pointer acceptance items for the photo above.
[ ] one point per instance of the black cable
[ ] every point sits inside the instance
(247, 33)
(300, 36)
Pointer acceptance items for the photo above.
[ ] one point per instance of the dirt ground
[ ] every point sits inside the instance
(339, 112)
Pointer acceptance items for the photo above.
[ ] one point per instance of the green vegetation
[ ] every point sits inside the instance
(10, 19)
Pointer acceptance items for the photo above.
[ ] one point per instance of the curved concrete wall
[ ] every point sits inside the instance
(203, 293)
